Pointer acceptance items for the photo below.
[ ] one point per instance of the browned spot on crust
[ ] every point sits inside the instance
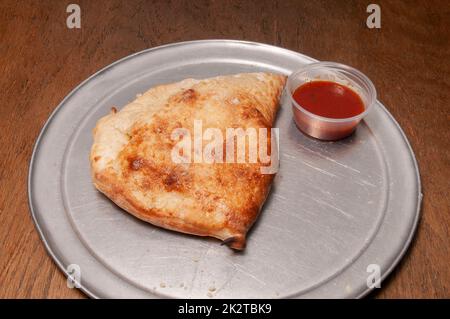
(97, 158)
(113, 110)
(152, 176)
(171, 180)
(136, 163)
(158, 126)
(188, 96)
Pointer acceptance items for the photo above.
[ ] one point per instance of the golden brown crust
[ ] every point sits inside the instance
(131, 157)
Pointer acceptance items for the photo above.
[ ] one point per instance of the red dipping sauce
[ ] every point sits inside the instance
(328, 99)
(327, 110)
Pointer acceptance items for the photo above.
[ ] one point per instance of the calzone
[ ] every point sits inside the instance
(161, 157)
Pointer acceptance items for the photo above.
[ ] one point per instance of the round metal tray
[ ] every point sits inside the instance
(335, 207)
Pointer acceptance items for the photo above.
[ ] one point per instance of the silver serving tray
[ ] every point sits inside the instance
(335, 207)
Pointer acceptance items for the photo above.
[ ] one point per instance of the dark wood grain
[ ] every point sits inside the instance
(41, 60)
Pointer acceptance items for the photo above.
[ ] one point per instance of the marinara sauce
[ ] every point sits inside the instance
(334, 103)
(329, 99)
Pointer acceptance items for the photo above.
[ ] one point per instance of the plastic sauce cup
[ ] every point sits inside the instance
(325, 128)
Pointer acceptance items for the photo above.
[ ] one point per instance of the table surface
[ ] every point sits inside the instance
(41, 61)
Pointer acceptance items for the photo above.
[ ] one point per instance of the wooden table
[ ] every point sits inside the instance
(41, 61)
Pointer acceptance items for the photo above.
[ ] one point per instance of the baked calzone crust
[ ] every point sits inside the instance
(133, 164)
